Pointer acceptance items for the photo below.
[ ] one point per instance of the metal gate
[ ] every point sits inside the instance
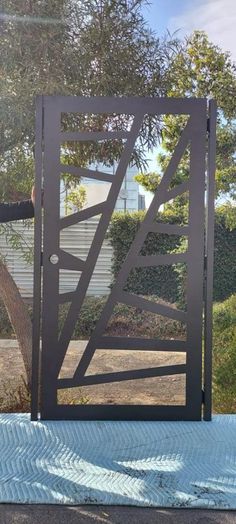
(199, 135)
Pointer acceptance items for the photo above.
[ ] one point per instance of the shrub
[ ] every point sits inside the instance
(89, 314)
(168, 282)
(224, 258)
(162, 280)
(125, 321)
(224, 356)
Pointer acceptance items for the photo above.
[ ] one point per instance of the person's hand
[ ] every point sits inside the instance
(33, 195)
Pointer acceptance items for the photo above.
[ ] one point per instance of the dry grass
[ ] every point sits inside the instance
(15, 398)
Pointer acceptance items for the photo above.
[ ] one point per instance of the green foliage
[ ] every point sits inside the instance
(228, 211)
(76, 198)
(225, 159)
(160, 281)
(89, 314)
(224, 258)
(18, 241)
(168, 282)
(125, 321)
(224, 356)
(76, 48)
(150, 181)
(63, 47)
(17, 171)
(201, 69)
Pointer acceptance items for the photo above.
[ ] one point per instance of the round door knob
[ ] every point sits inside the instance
(54, 259)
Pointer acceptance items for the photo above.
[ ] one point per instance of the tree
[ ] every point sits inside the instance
(82, 48)
(201, 69)
(76, 199)
(87, 47)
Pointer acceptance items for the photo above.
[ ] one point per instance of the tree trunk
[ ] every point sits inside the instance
(19, 317)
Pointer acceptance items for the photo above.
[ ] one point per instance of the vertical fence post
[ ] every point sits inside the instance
(210, 197)
(37, 261)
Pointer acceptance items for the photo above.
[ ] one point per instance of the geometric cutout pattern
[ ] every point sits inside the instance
(54, 349)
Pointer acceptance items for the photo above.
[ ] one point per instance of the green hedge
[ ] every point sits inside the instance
(168, 282)
(160, 281)
(125, 321)
(224, 259)
(224, 356)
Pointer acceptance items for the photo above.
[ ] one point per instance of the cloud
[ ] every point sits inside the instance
(216, 17)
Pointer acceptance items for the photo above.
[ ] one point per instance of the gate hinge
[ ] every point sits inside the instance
(208, 125)
(203, 396)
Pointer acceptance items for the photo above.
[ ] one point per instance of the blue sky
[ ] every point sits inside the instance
(216, 17)
(160, 12)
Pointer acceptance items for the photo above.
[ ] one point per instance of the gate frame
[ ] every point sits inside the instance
(131, 412)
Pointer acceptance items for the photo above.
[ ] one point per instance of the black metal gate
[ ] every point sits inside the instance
(198, 257)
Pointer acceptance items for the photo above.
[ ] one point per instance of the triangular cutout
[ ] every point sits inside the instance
(77, 239)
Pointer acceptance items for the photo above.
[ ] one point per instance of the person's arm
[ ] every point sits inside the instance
(16, 211)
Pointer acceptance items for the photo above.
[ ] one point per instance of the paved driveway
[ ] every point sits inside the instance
(16, 514)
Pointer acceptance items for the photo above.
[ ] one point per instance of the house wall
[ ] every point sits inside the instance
(76, 240)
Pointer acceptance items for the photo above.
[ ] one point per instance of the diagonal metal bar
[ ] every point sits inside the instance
(160, 260)
(186, 136)
(97, 242)
(175, 191)
(120, 376)
(142, 344)
(86, 173)
(153, 307)
(84, 214)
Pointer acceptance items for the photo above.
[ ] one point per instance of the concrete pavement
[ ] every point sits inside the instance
(23, 514)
